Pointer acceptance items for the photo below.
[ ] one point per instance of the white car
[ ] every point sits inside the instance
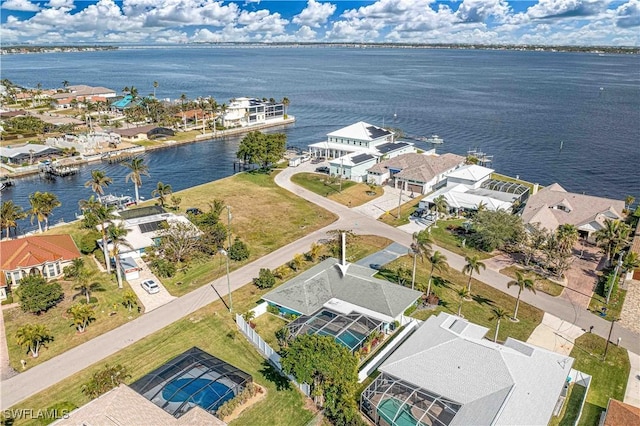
(150, 286)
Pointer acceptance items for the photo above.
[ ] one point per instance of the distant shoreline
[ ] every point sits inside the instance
(626, 50)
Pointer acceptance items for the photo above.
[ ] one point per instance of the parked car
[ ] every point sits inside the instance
(375, 266)
(322, 169)
(150, 286)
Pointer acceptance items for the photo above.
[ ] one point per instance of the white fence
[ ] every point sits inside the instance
(267, 351)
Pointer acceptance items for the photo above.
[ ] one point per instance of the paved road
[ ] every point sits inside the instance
(56, 369)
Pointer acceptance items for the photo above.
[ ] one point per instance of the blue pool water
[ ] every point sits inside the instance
(205, 393)
(350, 340)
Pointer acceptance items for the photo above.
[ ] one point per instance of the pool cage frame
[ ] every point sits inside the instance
(326, 322)
(205, 366)
(427, 408)
(522, 191)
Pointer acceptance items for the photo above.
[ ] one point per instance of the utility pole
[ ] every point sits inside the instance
(227, 255)
(615, 275)
(400, 199)
(606, 347)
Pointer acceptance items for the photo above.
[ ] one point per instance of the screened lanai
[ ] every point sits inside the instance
(350, 330)
(192, 378)
(393, 402)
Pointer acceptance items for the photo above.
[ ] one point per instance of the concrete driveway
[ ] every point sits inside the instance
(384, 203)
(384, 256)
(150, 301)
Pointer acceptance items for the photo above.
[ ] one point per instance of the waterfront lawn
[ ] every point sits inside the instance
(478, 310)
(265, 216)
(609, 376)
(319, 183)
(542, 284)
(406, 209)
(447, 239)
(60, 324)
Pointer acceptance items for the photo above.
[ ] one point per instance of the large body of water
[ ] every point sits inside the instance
(517, 106)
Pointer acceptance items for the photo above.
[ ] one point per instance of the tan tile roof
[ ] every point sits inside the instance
(36, 250)
(419, 167)
(583, 209)
(621, 414)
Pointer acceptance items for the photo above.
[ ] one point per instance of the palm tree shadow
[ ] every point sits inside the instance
(440, 282)
(271, 374)
(482, 300)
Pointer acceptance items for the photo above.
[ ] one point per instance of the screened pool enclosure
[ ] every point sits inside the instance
(190, 379)
(393, 402)
(350, 330)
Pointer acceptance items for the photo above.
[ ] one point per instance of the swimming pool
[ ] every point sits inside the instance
(205, 393)
(391, 409)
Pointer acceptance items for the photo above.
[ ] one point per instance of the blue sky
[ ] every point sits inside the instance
(551, 22)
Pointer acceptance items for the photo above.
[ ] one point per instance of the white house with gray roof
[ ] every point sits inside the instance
(446, 373)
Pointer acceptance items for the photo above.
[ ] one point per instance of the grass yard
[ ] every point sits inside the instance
(266, 326)
(353, 194)
(265, 216)
(478, 310)
(569, 414)
(59, 322)
(447, 239)
(406, 209)
(542, 284)
(599, 300)
(609, 377)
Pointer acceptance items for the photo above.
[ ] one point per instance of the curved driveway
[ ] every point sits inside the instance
(40, 377)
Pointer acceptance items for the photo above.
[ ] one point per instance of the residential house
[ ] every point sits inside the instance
(81, 94)
(142, 133)
(620, 414)
(352, 166)
(469, 186)
(243, 112)
(360, 137)
(27, 153)
(446, 373)
(417, 173)
(553, 206)
(45, 255)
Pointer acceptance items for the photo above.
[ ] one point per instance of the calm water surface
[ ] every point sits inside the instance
(517, 106)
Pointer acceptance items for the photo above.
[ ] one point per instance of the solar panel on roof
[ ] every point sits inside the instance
(361, 158)
(377, 132)
(388, 147)
(151, 226)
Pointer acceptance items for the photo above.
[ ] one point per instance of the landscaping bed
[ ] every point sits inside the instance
(406, 209)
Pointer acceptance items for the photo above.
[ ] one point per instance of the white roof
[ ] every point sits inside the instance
(511, 384)
(26, 149)
(462, 197)
(341, 147)
(471, 172)
(138, 239)
(361, 131)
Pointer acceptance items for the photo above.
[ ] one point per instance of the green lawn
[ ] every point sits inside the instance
(452, 242)
(609, 377)
(542, 284)
(478, 310)
(599, 300)
(391, 218)
(319, 184)
(504, 178)
(266, 326)
(571, 409)
(59, 323)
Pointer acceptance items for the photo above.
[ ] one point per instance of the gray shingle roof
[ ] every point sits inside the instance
(309, 291)
(419, 167)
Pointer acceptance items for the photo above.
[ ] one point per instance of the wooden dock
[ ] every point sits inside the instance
(61, 171)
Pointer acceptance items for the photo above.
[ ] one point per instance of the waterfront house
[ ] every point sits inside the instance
(553, 206)
(45, 255)
(417, 173)
(142, 133)
(360, 138)
(242, 112)
(446, 373)
(81, 94)
(27, 153)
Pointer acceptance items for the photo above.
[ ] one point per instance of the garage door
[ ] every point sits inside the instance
(415, 188)
(636, 274)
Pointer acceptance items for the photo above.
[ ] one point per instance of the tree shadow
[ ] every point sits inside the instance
(440, 282)
(482, 300)
(271, 374)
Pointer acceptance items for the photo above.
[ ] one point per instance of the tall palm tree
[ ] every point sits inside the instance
(631, 261)
(103, 214)
(498, 314)
(440, 205)
(473, 265)
(65, 84)
(117, 235)
(285, 102)
(629, 200)
(612, 236)
(567, 235)
(162, 191)
(10, 214)
(463, 294)
(420, 247)
(42, 205)
(138, 168)
(98, 181)
(522, 283)
(33, 336)
(438, 263)
(155, 86)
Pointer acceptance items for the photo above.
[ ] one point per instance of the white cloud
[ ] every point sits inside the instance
(315, 14)
(305, 34)
(262, 21)
(481, 10)
(67, 4)
(545, 9)
(183, 12)
(20, 6)
(628, 15)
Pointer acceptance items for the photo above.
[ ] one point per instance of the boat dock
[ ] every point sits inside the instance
(61, 171)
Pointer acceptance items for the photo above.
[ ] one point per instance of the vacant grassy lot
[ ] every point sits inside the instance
(212, 329)
(609, 376)
(406, 209)
(352, 194)
(478, 310)
(60, 324)
(449, 240)
(542, 284)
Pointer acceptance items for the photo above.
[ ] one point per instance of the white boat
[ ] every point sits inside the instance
(118, 201)
(435, 139)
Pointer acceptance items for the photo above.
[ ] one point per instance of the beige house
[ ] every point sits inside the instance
(414, 172)
(553, 206)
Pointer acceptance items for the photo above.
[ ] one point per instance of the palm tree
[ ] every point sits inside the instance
(498, 314)
(473, 265)
(138, 168)
(629, 200)
(285, 102)
(631, 261)
(463, 294)
(522, 283)
(438, 262)
(10, 214)
(155, 86)
(162, 191)
(65, 84)
(440, 205)
(420, 247)
(567, 235)
(612, 237)
(82, 315)
(117, 235)
(42, 205)
(98, 181)
(129, 299)
(33, 336)
(103, 214)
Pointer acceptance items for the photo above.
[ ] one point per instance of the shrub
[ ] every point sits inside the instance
(411, 309)
(99, 255)
(238, 251)
(163, 267)
(37, 296)
(87, 243)
(273, 310)
(105, 380)
(8, 300)
(228, 407)
(92, 300)
(265, 279)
